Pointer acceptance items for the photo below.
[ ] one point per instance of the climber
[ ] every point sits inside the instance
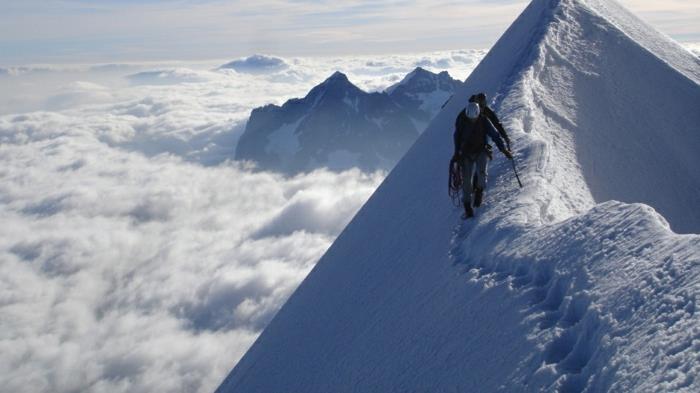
(491, 115)
(471, 129)
(480, 99)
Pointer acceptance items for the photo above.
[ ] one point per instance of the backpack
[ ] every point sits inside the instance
(473, 136)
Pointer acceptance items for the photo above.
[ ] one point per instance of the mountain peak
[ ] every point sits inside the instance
(417, 72)
(554, 267)
(421, 79)
(422, 71)
(337, 81)
(337, 85)
(336, 125)
(338, 77)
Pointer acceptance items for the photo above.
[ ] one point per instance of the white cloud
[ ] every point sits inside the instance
(138, 274)
(135, 257)
(78, 93)
(168, 77)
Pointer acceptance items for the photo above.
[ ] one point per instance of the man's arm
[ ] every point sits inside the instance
(491, 115)
(496, 137)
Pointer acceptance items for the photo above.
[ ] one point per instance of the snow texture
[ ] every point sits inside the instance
(575, 283)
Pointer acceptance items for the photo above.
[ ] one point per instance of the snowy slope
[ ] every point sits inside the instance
(554, 287)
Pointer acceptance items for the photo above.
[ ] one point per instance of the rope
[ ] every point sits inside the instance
(454, 183)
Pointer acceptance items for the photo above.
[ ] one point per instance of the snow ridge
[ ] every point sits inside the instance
(569, 292)
(569, 284)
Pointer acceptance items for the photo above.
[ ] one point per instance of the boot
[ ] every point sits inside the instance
(468, 212)
(478, 196)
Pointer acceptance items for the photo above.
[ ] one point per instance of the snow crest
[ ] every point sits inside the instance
(575, 283)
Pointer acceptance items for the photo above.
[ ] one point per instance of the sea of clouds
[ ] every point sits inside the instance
(135, 254)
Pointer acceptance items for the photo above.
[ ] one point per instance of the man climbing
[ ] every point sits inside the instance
(471, 129)
(486, 111)
(491, 115)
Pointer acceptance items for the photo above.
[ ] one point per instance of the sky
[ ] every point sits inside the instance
(78, 31)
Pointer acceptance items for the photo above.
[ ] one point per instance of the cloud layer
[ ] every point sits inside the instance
(127, 273)
(134, 256)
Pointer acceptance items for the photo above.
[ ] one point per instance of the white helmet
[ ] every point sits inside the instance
(473, 110)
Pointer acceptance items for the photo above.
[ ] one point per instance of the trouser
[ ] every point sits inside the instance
(470, 164)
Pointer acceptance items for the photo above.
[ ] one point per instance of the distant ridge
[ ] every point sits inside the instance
(339, 126)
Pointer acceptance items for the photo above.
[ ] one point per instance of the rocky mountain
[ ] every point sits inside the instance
(423, 93)
(339, 126)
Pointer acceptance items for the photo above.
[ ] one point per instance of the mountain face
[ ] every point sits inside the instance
(575, 283)
(339, 126)
(422, 94)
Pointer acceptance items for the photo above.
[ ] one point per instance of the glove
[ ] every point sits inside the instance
(508, 154)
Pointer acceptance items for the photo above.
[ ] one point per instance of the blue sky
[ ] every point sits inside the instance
(75, 31)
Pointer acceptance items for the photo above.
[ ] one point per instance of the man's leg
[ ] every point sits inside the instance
(468, 167)
(481, 178)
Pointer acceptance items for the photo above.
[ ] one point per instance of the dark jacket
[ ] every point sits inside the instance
(491, 115)
(470, 138)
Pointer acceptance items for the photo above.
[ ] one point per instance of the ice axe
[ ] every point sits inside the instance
(515, 169)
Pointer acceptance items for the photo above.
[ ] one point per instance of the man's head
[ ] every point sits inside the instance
(473, 111)
(480, 99)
